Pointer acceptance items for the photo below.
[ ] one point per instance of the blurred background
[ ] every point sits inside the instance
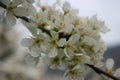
(11, 51)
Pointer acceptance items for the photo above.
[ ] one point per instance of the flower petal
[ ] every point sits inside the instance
(53, 52)
(32, 61)
(30, 1)
(31, 10)
(27, 42)
(16, 2)
(105, 29)
(11, 20)
(74, 11)
(109, 63)
(69, 28)
(89, 40)
(35, 51)
(61, 42)
(31, 27)
(44, 47)
(66, 6)
(54, 34)
(66, 53)
(74, 38)
(20, 11)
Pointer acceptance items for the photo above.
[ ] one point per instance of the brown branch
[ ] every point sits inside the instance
(99, 71)
(3, 5)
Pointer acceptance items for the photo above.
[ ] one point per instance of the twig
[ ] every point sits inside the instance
(99, 71)
(3, 5)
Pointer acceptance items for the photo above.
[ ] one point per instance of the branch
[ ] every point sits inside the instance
(3, 5)
(99, 71)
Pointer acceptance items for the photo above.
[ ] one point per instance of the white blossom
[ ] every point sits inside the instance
(54, 42)
(35, 44)
(66, 6)
(60, 37)
(71, 42)
(32, 61)
(70, 45)
(16, 8)
(109, 64)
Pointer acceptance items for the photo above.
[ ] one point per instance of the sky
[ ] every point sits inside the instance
(106, 10)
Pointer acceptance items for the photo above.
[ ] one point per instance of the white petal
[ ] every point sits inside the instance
(74, 38)
(45, 60)
(32, 61)
(67, 19)
(27, 42)
(104, 29)
(109, 63)
(96, 47)
(34, 54)
(76, 67)
(78, 54)
(44, 47)
(68, 28)
(31, 10)
(30, 1)
(35, 51)
(94, 19)
(16, 2)
(41, 36)
(66, 6)
(31, 27)
(20, 11)
(61, 42)
(54, 34)
(53, 52)
(65, 51)
(89, 40)
(74, 11)
(11, 20)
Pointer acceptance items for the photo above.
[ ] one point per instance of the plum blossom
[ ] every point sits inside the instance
(54, 43)
(60, 37)
(36, 44)
(16, 8)
(69, 41)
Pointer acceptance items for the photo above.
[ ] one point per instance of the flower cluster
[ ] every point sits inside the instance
(72, 41)
(60, 37)
(16, 8)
